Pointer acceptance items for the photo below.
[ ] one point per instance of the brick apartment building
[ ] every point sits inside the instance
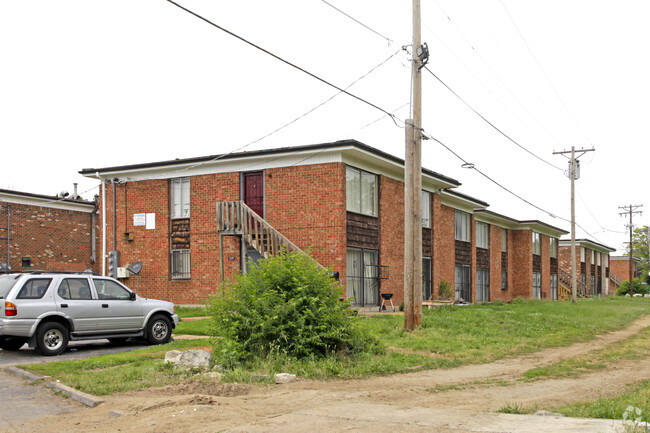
(343, 200)
(620, 268)
(592, 266)
(41, 232)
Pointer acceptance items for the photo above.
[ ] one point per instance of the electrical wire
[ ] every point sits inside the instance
(473, 166)
(275, 56)
(490, 123)
(539, 65)
(390, 41)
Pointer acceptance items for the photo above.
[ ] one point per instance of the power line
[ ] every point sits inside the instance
(390, 41)
(322, 80)
(539, 65)
(490, 123)
(470, 165)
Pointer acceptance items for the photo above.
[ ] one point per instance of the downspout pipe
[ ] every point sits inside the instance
(103, 224)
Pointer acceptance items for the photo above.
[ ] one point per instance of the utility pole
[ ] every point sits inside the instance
(413, 185)
(631, 210)
(573, 176)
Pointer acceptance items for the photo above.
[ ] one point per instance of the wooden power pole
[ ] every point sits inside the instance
(413, 185)
(631, 210)
(573, 175)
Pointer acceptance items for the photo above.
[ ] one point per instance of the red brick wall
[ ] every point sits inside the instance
(495, 266)
(305, 203)
(54, 239)
(391, 236)
(621, 268)
(545, 244)
(520, 263)
(444, 265)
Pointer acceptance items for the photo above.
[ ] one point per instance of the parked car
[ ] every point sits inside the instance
(49, 309)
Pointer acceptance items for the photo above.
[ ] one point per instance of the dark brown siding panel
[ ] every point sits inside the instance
(427, 242)
(362, 231)
(537, 263)
(553, 266)
(482, 258)
(463, 253)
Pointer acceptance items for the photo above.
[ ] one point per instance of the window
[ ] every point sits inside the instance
(180, 264)
(536, 245)
(180, 197)
(426, 278)
(426, 209)
(361, 191)
(363, 276)
(605, 260)
(598, 259)
(26, 262)
(504, 279)
(593, 258)
(504, 240)
(107, 289)
(554, 287)
(593, 284)
(537, 285)
(583, 282)
(462, 283)
(482, 285)
(34, 288)
(553, 248)
(482, 238)
(74, 289)
(462, 226)
(582, 254)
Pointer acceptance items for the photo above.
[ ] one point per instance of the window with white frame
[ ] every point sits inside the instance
(426, 209)
(593, 257)
(582, 254)
(482, 237)
(537, 285)
(462, 226)
(180, 198)
(361, 191)
(598, 259)
(504, 240)
(553, 248)
(504, 279)
(482, 285)
(462, 283)
(537, 247)
(554, 287)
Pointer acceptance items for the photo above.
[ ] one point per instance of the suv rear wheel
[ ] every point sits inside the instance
(159, 329)
(51, 339)
(12, 343)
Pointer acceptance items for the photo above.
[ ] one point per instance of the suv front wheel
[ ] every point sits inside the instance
(51, 339)
(159, 329)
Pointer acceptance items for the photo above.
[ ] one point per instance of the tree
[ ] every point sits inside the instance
(640, 251)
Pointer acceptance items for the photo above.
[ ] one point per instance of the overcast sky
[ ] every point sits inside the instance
(93, 83)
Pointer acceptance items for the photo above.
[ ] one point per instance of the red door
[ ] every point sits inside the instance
(254, 191)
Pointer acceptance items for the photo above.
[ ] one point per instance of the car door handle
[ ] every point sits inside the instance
(64, 305)
(104, 305)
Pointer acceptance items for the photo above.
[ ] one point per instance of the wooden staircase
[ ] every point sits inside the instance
(564, 286)
(235, 218)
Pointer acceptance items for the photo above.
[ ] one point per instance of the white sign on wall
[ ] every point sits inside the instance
(139, 219)
(151, 221)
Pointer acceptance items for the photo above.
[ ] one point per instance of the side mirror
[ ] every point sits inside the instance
(132, 296)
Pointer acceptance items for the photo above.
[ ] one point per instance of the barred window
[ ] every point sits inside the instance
(180, 264)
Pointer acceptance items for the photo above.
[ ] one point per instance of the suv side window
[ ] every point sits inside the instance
(74, 289)
(34, 288)
(107, 289)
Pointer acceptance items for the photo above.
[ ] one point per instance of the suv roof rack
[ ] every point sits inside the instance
(39, 272)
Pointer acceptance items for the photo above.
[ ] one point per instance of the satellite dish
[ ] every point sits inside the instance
(135, 268)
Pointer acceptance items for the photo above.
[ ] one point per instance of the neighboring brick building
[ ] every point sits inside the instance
(46, 233)
(620, 268)
(343, 200)
(592, 266)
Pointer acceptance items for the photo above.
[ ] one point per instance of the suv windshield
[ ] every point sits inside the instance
(6, 283)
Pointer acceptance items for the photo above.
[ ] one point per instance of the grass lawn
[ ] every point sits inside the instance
(449, 336)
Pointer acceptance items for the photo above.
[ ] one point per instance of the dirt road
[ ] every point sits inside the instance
(407, 402)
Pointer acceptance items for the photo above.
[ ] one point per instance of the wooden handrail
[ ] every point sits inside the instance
(236, 218)
(565, 278)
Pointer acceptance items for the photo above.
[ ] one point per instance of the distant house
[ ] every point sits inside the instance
(592, 266)
(46, 232)
(620, 268)
(344, 201)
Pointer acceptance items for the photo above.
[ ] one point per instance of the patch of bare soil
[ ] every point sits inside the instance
(434, 401)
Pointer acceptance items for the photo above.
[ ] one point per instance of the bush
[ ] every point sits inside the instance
(285, 305)
(444, 290)
(638, 287)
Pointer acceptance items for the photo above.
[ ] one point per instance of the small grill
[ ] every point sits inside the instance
(386, 297)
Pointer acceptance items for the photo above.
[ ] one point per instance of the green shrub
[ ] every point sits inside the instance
(444, 290)
(285, 306)
(624, 288)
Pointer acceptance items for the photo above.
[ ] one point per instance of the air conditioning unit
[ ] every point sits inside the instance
(123, 273)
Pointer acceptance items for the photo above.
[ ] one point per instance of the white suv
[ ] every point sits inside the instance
(48, 309)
